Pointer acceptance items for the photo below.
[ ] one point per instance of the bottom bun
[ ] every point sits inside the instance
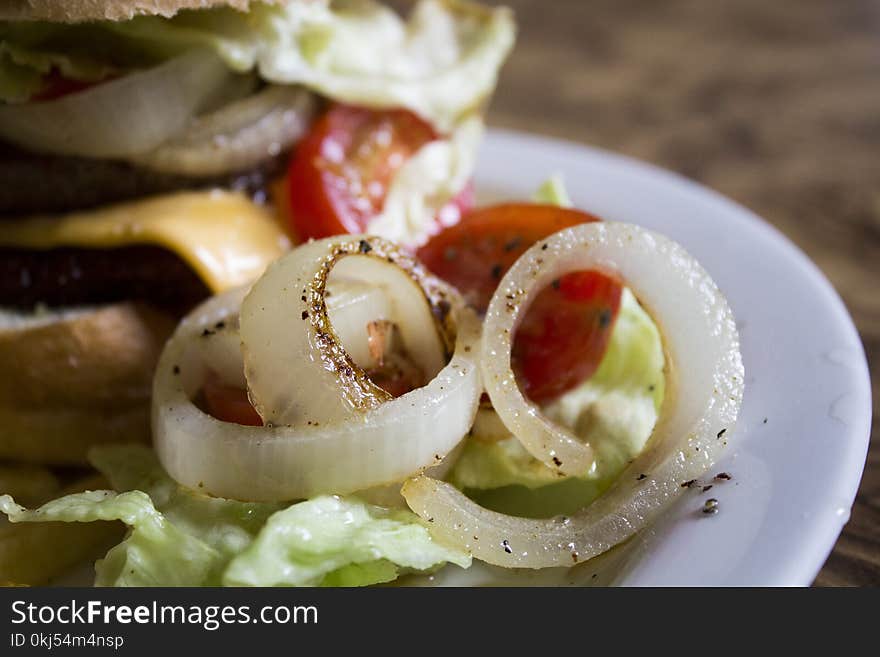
(75, 379)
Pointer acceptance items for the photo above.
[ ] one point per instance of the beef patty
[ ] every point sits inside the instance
(44, 184)
(78, 276)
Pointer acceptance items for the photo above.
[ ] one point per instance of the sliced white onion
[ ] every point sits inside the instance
(236, 137)
(373, 447)
(351, 306)
(704, 394)
(389, 494)
(121, 117)
(220, 347)
(298, 373)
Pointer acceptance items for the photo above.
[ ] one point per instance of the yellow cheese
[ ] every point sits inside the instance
(224, 237)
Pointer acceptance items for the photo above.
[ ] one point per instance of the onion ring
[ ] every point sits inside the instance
(377, 445)
(327, 385)
(236, 137)
(705, 388)
(121, 117)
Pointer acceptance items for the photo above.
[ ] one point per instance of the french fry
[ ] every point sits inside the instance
(35, 553)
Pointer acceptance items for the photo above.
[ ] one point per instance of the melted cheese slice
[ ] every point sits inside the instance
(224, 237)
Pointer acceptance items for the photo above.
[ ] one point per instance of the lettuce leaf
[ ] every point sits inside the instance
(179, 537)
(552, 192)
(616, 408)
(426, 183)
(331, 541)
(155, 552)
(442, 62)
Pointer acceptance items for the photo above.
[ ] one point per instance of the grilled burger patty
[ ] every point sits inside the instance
(45, 184)
(65, 277)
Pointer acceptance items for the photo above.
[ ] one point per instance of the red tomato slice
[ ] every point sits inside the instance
(341, 171)
(565, 331)
(229, 404)
(564, 334)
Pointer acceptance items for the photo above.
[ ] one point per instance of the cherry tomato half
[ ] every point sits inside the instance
(340, 173)
(564, 333)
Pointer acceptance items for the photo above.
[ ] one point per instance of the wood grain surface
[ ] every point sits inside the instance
(775, 104)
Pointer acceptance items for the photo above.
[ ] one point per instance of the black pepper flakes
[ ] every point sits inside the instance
(721, 433)
(723, 476)
(544, 246)
(496, 271)
(305, 314)
(513, 244)
(555, 283)
(176, 370)
(690, 483)
(557, 461)
(506, 545)
(207, 332)
(364, 246)
(707, 488)
(641, 476)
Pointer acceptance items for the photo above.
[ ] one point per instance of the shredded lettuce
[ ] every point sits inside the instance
(179, 537)
(331, 541)
(442, 62)
(552, 191)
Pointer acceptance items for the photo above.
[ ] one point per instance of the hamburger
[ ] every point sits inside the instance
(155, 152)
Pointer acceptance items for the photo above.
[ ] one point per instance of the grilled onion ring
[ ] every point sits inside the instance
(704, 394)
(236, 137)
(298, 372)
(376, 444)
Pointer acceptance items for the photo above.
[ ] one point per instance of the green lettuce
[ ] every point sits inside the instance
(442, 62)
(332, 541)
(552, 191)
(179, 537)
(616, 409)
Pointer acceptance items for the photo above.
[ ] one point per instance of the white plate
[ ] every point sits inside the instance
(795, 476)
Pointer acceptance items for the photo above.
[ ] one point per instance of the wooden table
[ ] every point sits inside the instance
(775, 104)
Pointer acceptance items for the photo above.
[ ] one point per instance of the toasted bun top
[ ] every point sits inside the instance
(81, 11)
